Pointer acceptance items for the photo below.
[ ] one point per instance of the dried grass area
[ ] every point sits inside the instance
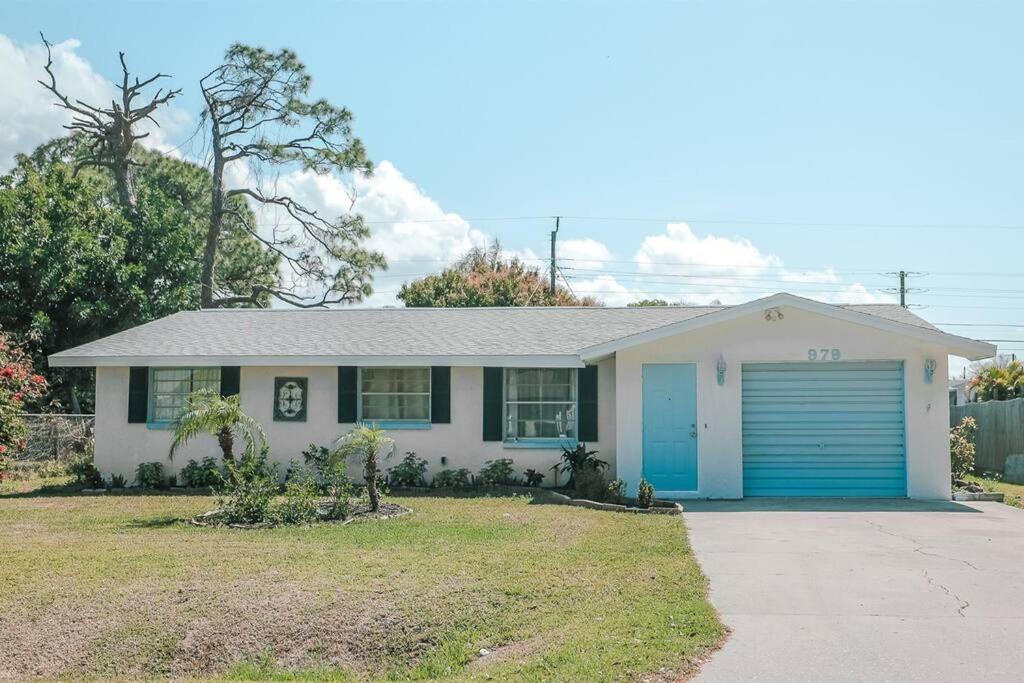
(121, 586)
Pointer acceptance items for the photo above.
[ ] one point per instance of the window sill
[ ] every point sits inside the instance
(397, 424)
(160, 425)
(550, 444)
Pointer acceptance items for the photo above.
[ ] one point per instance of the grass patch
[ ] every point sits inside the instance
(130, 590)
(1014, 493)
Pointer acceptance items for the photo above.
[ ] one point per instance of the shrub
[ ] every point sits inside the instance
(456, 479)
(577, 459)
(961, 447)
(498, 473)
(591, 484)
(51, 469)
(150, 475)
(644, 494)
(198, 475)
(410, 472)
(616, 490)
(117, 481)
(85, 473)
(248, 491)
(300, 502)
(5, 467)
(330, 477)
(533, 477)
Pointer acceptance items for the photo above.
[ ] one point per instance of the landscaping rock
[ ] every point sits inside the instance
(967, 496)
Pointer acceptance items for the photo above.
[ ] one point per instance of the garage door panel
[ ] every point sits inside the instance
(824, 429)
(812, 452)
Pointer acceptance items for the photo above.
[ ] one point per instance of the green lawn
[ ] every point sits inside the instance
(1014, 492)
(119, 586)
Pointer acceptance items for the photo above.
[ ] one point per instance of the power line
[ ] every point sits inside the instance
(980, 324)
(801, 224)
(715, 221)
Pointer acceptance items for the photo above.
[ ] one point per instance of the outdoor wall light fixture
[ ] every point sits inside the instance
(929, 370)
(773, 314)
(721, 370)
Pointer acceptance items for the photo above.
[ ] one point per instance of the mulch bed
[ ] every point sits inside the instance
(360, 512)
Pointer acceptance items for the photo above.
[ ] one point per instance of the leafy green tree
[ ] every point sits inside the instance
(999, 381)
(74, 268)
(260, 116)
(485, 277)
(64, 273)
(644, 303)
(207, 412)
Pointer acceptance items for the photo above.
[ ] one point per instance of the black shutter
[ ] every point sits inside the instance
(493, 380)
(348, 377)
(138, 394)
(441, 395)
(230, 380)
(587, 387)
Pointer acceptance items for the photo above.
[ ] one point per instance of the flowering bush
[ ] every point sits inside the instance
(18, 383)
(961, 447)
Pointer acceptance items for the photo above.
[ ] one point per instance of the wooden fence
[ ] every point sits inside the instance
(1000, 430)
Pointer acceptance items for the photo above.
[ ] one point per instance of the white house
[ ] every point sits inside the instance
(783, 396)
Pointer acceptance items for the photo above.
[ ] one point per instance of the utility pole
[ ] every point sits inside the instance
(903, 290)
(554, 236)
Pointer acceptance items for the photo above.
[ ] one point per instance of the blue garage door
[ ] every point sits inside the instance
(824, 429)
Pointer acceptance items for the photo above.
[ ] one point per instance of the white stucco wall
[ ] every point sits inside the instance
(121, 446)
(753, 339)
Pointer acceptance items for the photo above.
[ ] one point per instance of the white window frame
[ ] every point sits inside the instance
(505, 402)
(152, 392)
(399, 421)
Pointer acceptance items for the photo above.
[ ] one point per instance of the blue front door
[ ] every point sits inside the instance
(670, 426)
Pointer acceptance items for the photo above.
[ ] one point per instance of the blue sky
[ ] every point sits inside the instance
(800, 128)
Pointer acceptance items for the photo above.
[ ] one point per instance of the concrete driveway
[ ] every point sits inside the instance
(872, 590)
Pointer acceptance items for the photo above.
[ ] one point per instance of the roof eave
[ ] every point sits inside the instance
(955, 345)
(65, 359)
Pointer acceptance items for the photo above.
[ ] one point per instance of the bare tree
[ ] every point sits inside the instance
(110, 133)
(259, 117)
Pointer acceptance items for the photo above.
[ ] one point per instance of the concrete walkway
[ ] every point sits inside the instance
(871, 590)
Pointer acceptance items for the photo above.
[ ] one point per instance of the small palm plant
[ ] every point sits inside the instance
(207, 412)
(366, 443)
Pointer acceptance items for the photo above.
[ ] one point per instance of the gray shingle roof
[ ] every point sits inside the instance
(400, 331)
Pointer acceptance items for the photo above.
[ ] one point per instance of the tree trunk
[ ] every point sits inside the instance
(76, 406)
(227, 444)
(216, 221)
(124, 178)
(370, 472)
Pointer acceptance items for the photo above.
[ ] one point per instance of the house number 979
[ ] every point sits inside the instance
(823, 354)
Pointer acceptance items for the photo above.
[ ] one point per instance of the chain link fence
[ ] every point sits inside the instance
(55, 436)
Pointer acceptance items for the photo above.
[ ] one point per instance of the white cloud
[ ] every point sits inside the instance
(584, 253)
(678, 264)
(415, 234)
(28, 116)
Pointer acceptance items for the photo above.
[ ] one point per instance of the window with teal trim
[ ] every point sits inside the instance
(169, 389)
(394, 394)
(540, 403)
